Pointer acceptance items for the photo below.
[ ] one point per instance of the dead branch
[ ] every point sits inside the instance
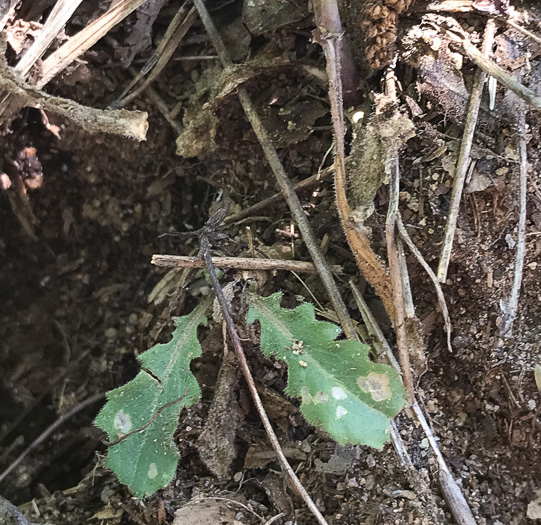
(239, 263)
(511, 306)
(464, 155)
(402, 341)
(132, 124)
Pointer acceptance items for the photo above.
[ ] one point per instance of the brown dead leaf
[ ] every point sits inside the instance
(205, 511)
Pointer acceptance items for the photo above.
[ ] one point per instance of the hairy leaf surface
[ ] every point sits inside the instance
(351, 397)
(147, 460)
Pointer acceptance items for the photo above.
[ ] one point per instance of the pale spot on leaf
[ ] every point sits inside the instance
(340, 412)
(321, 397)
(122, 422)
(338, 393)
(304, 364)
(306, 396)
(377, 385)
(152, 471)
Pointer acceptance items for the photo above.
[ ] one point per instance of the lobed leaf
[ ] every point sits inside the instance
(351, 397)
(147, 461)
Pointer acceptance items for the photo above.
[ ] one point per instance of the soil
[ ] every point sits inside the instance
(79, 302)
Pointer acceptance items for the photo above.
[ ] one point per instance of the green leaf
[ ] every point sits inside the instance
(351, 397)
(147, 460)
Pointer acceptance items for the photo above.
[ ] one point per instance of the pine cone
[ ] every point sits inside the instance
(379, 24)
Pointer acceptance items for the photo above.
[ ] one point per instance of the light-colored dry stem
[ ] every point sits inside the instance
(511, 306)
(60, 14)
(239, 263)
(177, 29)
(464, 155)
(85, 39)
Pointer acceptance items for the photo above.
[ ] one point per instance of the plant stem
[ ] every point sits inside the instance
(464, 155)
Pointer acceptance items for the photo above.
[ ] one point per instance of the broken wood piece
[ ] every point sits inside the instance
(239, 263)
(131, 124)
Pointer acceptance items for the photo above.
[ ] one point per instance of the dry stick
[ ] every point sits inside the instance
(239, 263)
(464, 156)
(490, 68)
(396, 280)
(85, 39)
(283, 181)
(330, 29)
(162, 106)
(451, 491)
(179, 26)
(60, 14)
(131, 124)
(277, 197)
(235, 339)
(439, 292)
(523, 30)
(449, 6)
(49, 430)
(510, 308)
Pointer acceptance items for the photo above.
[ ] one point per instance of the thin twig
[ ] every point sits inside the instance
(490, 68)
(522, 30)
(510, 309)
(49, 430)
(439, 292)
(235, 339)
(464, 156)
(60, 14)
(239, 263)
(396, 280)
(150, 421)
(282, 179)
(179, 26)
(277, 197)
